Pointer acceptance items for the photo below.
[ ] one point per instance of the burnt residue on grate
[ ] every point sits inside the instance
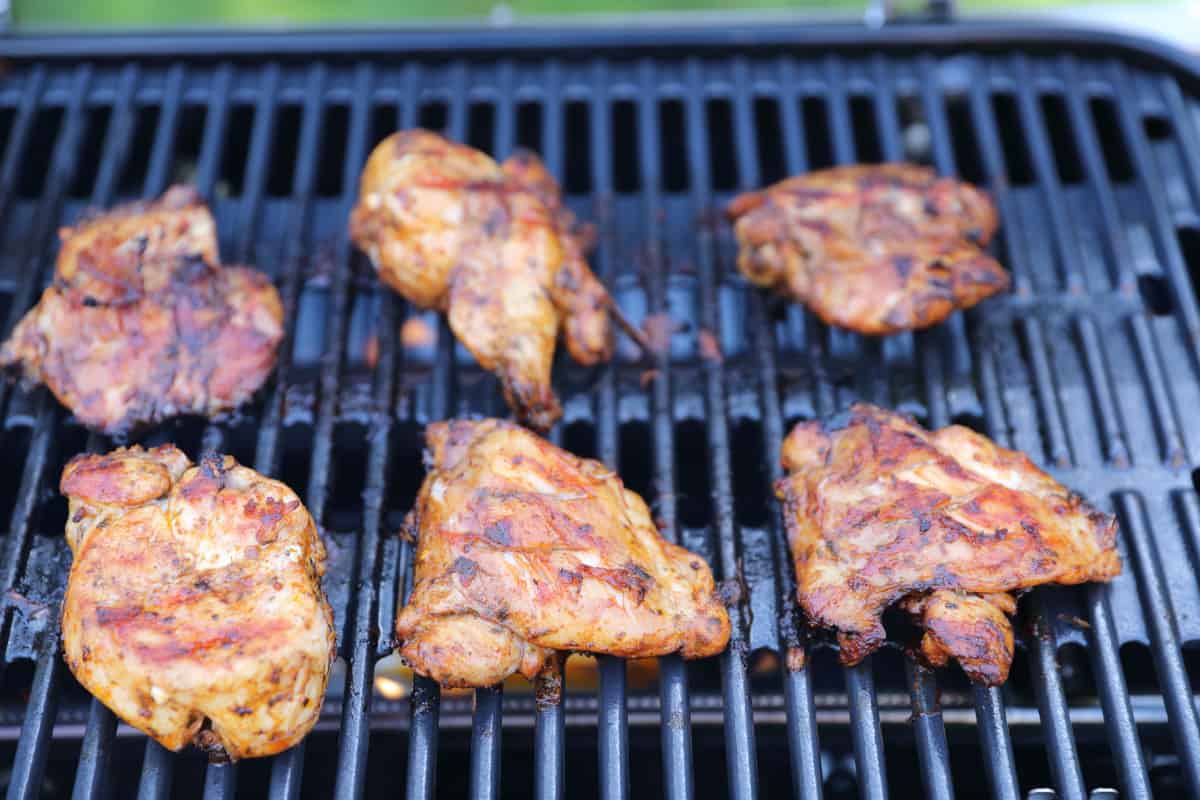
(1091, 365)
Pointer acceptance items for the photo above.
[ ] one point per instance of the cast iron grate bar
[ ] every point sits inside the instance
(549, 744)
(860, 686)
(33, 746)
(96, 752)
(1047, 683)
(674, 694)
(741, 760)
(803, 745)
(612, 717)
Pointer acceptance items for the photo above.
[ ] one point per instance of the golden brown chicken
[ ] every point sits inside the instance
(494, 247)
(880, 511)
(141, 323)
(875, 249)
(194, 607)
(525, 550)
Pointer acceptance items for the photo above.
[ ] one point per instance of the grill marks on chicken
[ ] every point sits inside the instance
(525, 550)
(194, 607)
(493, 247)
(876, 249)
(945, 523)
(142, 323)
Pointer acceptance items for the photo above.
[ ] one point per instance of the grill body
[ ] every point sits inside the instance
(1091, 147)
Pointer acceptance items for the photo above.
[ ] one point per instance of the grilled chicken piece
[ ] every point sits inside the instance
(142, 323)
(194, 607)
(947, 524)
(875, 249)
(494, 247)
(525, 549)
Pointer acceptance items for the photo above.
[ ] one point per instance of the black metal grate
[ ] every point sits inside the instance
(1092, 366)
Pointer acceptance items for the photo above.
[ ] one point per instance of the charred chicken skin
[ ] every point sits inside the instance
(492, 246)
(142, 323)
(945, 523)
(194, 607)
(875, 249)
(525, 550)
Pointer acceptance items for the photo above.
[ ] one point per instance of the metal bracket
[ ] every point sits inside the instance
(890, 12)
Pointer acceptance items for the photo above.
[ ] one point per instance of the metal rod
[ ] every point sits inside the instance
(549, 738)
(33, 748)
(96, 751)
(613, 749)
(803, 745)
(95, 754)
(157, 768)
(425, 701)
(741, 761)
(220, 782)
(550, 727)
(865, 731)
(1114, 696)
(675, 730)
(1052, 703)
(485, 743)
(932, 751)
(1160, 621)
(995, 742)
(614, 730)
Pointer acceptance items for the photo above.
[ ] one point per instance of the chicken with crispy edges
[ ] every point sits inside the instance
(141, 322)
(194, 607)
(876, 249)
(492, 246)
(947, 524)
(524, 550)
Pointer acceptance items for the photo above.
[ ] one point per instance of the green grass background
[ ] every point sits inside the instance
(160, 13)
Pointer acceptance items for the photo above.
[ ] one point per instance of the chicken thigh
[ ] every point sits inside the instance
(524, 550)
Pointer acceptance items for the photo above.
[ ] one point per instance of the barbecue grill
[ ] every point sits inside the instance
(1091, 146)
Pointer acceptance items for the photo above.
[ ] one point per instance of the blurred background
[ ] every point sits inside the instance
(1175, 20)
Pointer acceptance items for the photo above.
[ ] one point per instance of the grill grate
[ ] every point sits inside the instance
(1091, 366)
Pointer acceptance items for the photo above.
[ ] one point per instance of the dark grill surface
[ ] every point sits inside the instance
(1091, 366)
